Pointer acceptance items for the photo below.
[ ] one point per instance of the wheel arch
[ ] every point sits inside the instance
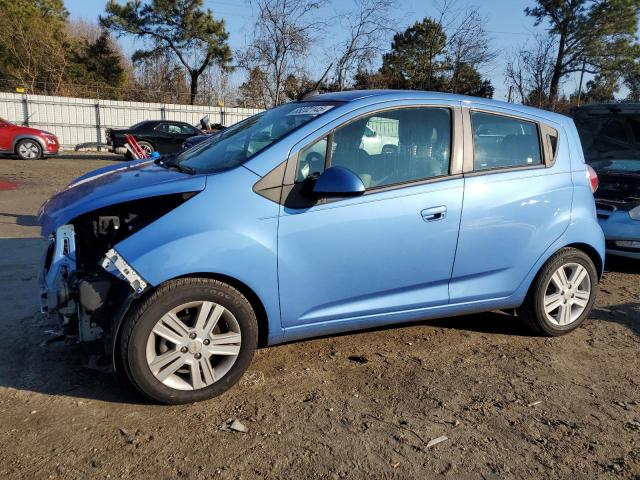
(593, 255)
(244, 289)
(130, 300)
(591, 249)
(145, 140)
(18, 138)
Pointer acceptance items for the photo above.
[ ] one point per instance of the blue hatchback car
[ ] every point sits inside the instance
(338, 212)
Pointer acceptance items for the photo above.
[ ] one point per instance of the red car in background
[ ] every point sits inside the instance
(25, 142)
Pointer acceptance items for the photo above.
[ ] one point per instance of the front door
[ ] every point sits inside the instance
(386, 255)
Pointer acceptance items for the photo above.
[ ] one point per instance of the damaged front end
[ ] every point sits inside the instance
(618, 207)
(86, 286)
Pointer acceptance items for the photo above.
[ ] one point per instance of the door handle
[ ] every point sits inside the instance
(434, 213)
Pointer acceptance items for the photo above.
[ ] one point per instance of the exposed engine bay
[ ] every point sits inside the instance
(617, 192)
(623, 189)
(84, 281)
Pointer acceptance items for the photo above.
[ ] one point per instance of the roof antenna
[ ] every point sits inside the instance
(314, 91)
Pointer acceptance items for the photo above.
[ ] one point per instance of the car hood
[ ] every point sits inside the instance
(616, 166)
(112, 185)
(31, 131)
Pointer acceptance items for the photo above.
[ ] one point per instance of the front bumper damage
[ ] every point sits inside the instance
(116, 265)
(84, 303)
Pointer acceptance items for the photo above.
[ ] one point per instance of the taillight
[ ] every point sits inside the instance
(592, 176)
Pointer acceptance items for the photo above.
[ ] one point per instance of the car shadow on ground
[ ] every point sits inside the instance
(621, 264)
(625, 314)
(30, 358)
(73, 155)
(22, 220)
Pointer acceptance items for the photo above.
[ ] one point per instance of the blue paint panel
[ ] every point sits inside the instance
(509, 220)
(227, 230)
(369, 255)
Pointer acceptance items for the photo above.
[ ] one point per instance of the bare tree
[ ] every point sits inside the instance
(284, 31)
(468, 42)
(217, 87)
(530, 70)
(366, 26)
(253, 91)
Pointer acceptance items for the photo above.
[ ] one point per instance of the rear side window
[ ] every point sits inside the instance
(504, 142)
(176, 129)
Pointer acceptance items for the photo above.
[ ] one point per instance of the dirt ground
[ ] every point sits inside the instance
(362, 405)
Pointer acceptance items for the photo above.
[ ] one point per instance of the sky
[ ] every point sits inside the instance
(506, 23)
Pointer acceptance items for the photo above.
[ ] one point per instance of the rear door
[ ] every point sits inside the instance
(386, 255)
(517, 201)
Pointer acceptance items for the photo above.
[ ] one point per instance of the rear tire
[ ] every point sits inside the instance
(146, 147)
(172, 357)
(28, 149)
(562, 295)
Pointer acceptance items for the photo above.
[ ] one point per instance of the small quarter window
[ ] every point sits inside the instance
(504, 142)
(311, 160)
(553, 143)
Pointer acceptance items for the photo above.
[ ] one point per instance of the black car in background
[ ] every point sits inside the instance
(162, 136)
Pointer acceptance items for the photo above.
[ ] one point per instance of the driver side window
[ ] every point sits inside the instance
(386, 148)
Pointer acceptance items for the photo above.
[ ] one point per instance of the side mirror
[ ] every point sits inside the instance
(338, 182)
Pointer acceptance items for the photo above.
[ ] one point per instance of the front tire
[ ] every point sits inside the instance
(28, 149)
(190, 340)
(562, 295)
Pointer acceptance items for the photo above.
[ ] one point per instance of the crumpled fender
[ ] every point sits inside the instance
(112, 185)
(226, 230)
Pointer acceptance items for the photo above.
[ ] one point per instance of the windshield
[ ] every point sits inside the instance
(238, 143)
(608, 136)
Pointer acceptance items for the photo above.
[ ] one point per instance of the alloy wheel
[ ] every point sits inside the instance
(28, 149)
(146, 148)
(193, 345)
(567, 294)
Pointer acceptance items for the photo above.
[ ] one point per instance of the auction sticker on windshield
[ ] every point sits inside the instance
(311, 110)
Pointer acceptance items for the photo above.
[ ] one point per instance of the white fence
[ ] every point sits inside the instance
(81, 120)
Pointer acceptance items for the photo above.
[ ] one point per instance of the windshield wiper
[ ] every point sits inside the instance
(162, 161)
(181, 168)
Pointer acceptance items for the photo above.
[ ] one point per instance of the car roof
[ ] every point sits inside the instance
(392, 95)
(158, 122)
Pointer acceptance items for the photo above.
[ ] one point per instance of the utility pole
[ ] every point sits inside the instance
(509, 95)
(584, 65)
